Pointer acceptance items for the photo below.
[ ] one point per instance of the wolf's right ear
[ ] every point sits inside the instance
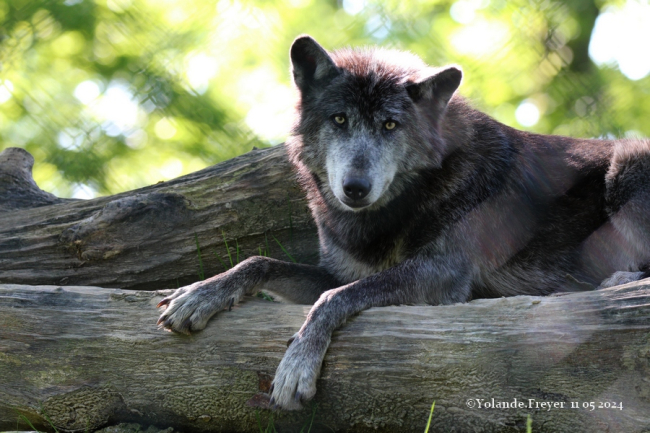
(311, 63)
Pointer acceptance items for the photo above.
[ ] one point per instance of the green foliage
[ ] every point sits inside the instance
(111, 95)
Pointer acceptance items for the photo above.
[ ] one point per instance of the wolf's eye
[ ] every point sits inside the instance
(339, 119)
(390, 125)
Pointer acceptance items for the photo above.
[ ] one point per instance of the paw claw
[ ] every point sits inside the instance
(189, 308)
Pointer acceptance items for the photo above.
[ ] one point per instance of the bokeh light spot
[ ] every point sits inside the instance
(527, 113)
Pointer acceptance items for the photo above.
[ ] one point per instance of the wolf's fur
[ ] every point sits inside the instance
(446, 206)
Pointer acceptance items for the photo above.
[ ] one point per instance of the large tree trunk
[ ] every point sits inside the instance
(80, 357)
(147, 238)
(85, 356)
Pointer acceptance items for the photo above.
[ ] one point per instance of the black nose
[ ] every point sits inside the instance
(356, 188)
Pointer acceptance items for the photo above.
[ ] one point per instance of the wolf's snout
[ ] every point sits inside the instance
(356, 188)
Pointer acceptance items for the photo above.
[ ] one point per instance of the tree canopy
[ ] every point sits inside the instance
(111, 95)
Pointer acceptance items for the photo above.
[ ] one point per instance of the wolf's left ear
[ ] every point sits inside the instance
(311, 63)
(440, 85)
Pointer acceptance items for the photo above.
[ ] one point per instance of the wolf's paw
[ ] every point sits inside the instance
(189, 308)
(618, 278)
(295, 378)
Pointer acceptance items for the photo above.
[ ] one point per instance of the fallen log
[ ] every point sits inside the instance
(163, 236)
(77, 358)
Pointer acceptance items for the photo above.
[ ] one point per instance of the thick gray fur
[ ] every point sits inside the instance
(419, 198)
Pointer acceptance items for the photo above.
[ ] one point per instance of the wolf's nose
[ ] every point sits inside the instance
(356, 188)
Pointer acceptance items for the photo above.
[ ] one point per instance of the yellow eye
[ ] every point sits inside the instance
(390, 125)
(339, 119)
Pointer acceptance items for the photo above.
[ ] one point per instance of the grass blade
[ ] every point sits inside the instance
(198, 252)
(227, 249)
(266, 239)
(259, 420)
(430, 416)
(311, 421)
(265, 296)
(290, 222)
(221, 261)
(285, 251)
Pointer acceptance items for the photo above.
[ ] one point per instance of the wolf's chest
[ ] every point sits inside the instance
(351, 265)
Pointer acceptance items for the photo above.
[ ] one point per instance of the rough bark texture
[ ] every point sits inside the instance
(146, 239)
(83, 357)
(87, 356)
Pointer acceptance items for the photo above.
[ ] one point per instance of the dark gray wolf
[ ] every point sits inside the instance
(419, 198)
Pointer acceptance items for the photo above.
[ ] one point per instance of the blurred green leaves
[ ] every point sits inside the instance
(111, 95)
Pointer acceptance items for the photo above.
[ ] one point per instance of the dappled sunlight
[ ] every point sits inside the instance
(171, 169)
(116, 109)
(354, 7)
(621, 36)
(271, 109)
(165, 128)
(87, 91)
(71, 139)
(6, 87)
(87, 86)
(83, 191)
(199, 70)
(527, 113)
(137, 139)
(480, 38)
(464, 11)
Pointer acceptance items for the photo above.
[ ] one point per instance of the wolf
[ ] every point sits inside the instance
(420, 198)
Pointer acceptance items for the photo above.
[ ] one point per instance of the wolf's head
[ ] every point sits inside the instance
(369, 119)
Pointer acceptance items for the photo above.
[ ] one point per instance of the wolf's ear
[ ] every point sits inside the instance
(311, 63)
(440, 85)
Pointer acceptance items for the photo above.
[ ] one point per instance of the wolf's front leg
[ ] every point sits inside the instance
(189, 308)
(438, 280)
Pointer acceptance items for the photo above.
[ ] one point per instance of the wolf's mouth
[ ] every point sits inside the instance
(355, 204)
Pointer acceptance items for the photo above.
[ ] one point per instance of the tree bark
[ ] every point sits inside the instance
(77, 358)
(147, 238)
(87, 356)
